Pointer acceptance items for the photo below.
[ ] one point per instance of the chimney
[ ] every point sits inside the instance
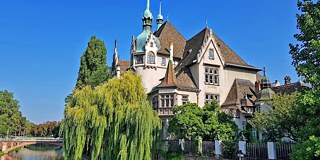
(287, 80)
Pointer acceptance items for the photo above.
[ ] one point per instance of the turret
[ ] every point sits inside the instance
(159, 18)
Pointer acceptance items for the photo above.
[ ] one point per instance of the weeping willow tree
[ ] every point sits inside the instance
(115, 120)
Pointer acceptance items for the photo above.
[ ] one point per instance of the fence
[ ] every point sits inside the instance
(190, 147)
(258, 151)
(283, 151)
(230, 150)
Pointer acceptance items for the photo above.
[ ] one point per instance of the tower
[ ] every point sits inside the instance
(144, 52)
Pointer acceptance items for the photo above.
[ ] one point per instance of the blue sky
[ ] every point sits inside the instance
(41, 41)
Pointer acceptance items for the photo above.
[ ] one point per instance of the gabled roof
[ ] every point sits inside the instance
(194, 44)
(238, 91)
(170, 79)
(168, 33)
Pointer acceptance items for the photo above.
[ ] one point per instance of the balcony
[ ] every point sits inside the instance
(164, 111)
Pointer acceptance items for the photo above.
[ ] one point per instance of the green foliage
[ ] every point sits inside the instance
(278, 120)
(306, 54)
(306, 58)
(114, 119)
(93, 70)
(307, 113)
(11, 119)
(191, 121)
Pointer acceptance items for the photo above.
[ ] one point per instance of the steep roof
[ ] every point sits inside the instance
(168, 33)
(238, 91)
(183, 80)
(170, 79)
(194, 44)
(124, 65)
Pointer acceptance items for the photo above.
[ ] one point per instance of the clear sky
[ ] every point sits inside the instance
(41, 41)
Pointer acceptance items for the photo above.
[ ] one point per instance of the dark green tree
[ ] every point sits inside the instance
(93, 65)
(306, 59)
(190, 121)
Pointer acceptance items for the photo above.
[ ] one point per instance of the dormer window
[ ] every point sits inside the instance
(151, 58)
(151, 44)
(211, 54)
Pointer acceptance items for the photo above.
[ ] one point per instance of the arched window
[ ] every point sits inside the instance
(151, 58)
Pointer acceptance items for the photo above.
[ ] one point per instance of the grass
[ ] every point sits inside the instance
(1, 153)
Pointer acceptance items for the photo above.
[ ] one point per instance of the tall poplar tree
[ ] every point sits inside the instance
(93, 70)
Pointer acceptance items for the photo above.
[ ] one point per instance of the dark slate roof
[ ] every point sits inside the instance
(289, 88)
(124, 65)
(168, 33)
(238, 91)
(194, 44)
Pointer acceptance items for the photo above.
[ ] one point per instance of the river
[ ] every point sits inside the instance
(35, 152)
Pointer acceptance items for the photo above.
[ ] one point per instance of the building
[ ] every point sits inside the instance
(175, 71)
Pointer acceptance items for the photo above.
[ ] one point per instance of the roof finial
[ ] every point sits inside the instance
(148, 5)
(206, 21)
(264, 71)
(160, 8)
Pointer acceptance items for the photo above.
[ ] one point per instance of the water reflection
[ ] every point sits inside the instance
(35, 152)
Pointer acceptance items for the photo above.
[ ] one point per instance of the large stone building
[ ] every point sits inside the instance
(175, 70)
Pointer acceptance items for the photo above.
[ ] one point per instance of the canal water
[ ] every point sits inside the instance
(36, 152)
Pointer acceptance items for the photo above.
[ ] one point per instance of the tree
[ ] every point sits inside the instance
(306, 54)
(278, 121)
(306, 59)
(11, 119)
(190, 121)
(93, 70)
(114, 119)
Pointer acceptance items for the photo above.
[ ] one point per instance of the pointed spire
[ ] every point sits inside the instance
(170, 79)
(148, 5)
(159, 18)
(264, 71)
(115, 57)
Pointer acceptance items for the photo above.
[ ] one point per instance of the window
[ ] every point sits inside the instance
(155, 102)
(151, 58)
(139, 59)
(185, 99)
(163, 61)
(151, 44)
(212, 75)
(167, 101)
(211, 54)
(210, 97)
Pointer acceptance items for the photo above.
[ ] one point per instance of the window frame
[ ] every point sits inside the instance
(151, 58)
(211, 76)
(139, 59)
(166, 100)
(211, 54)
(163, 61)
(211, 96)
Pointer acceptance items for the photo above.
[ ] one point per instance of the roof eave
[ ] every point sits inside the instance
(242, 66)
